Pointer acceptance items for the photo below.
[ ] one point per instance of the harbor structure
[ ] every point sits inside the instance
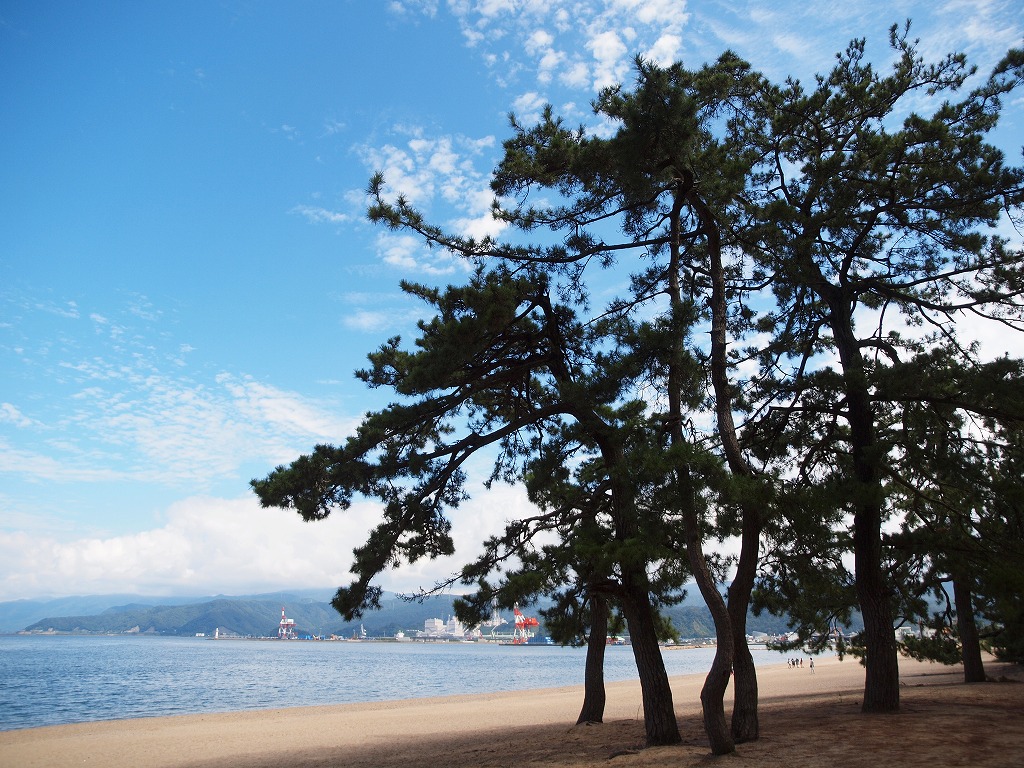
(286, 629)
(453, 629)
(524, 626)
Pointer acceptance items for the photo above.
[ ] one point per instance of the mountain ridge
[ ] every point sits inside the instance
(15, 615)
(258, 615)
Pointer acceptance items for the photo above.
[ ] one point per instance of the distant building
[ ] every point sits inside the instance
(433, 627)
(452, 629)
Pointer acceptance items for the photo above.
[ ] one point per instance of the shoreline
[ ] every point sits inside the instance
(489, 727)
(192, 676)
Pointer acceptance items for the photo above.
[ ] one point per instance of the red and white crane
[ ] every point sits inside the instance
(286, 629)
(523, 631)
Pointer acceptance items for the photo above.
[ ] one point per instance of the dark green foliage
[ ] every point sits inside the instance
(834, 230)
(866, 211)
(1005, 636)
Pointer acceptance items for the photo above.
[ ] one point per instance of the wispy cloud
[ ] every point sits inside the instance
(161, 428)
(332, 126)
(318, 215)
(130, 408)
(67, 310)
(431, 171)
(584, 45)
(572, 42)
(37, 466)
(409, 255)
(9, 414)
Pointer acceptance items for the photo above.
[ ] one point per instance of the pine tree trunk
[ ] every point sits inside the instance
(744, 713)
(745, 724)
(659, 712)
(593, 677)
(974, 668)
(882, 673)
(712, 694)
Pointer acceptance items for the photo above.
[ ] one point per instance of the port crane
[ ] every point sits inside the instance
(286, 629)
(523, 631)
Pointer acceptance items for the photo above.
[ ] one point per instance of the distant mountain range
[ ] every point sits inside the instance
(258, 615)
(16, 615)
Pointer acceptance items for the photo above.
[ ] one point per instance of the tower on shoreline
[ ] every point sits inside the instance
(286, 629)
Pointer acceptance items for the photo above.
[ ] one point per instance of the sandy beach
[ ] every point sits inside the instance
(807, 719)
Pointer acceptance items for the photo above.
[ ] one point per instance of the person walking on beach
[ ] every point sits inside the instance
(812, 666)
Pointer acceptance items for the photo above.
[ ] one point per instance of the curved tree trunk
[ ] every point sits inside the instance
(745, 725)
(712, 695)
(974, 669)
(593, 676)
(659, 712)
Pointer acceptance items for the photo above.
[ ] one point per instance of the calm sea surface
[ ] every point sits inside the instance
(48, 680)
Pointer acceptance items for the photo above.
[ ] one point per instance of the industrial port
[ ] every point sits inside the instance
(496, 629)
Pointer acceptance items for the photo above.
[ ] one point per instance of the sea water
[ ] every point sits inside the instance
(49, 680)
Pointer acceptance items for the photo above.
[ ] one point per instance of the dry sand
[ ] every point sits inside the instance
(807, 719)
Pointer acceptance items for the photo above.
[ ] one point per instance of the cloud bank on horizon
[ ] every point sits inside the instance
(189, 278)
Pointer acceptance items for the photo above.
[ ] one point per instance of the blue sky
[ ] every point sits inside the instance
(187, 279)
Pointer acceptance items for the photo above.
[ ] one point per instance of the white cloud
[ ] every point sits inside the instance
(669, 14)
(609, 53)
(207, 545)
(68, 310)
(33, 465)
(290, 132)
(142, 308)
(398, 250)
(577, 75)
(429, 171)
(666, 50)
(369, 320)
(403, 7)
(538, 36)
(213, 545)
(409, 255)
(528, 106)
(278, 412)
(480, 223)
(153, 427)
(10, 414)
(332, 126)
(381, 313)
(480, 227)
(549, 62)
(400, 171)
(319, 215)
(490, 9)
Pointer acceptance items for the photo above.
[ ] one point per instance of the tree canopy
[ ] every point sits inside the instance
(783, 363)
